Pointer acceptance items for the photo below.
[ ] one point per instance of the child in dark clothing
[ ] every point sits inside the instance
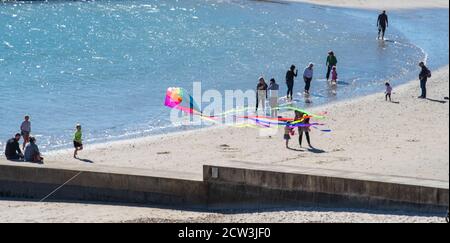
(388, 91)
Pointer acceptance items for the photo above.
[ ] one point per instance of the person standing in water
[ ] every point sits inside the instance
(308, 76)
(331, 62)
(290, 75)
(382, 24)
(261, 94)
(77, 140)
(12, 149)
(273, 97)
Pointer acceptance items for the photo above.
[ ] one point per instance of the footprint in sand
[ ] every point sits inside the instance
(165, 152)
(227, 148)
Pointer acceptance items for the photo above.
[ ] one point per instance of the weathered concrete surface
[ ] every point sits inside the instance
(264, 187)
(37, 182)
(247, 186)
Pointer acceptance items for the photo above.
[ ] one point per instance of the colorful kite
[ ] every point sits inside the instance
(176, 95)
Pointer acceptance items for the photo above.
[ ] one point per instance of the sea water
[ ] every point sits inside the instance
(107, 64)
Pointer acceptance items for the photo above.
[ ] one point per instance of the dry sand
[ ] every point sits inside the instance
(32, 212)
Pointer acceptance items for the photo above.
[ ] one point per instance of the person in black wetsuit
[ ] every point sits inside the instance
(290, 75)
(382, 24)
(12, 150)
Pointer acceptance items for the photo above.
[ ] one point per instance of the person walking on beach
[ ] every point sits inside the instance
(303, 129)
(290, 75)
(424, 74)
(77, 140)
(25, 130)
(331, 62)
(12, 150)
(32, 153)
(261, 94)
(307, 76)
(273, 97)
(382, 24)
(388, 91)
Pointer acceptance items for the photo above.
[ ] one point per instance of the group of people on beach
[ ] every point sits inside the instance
(31, 149)
(265, 91)
(270, 92)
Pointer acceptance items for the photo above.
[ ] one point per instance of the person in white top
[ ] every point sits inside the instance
(307, 76)
(25, 130)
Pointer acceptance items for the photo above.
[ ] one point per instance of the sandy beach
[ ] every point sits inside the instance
(402, 138)
(34, 212)
(381, 4)
(407, 138)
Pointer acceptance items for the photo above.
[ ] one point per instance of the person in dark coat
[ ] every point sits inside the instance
(12, 150)
(424, 74)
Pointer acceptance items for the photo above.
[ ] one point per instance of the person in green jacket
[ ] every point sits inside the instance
(77, 141)
(331, 62)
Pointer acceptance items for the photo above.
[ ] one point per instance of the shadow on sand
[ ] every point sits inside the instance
(438, 101)
(316, 150)
(85, 160)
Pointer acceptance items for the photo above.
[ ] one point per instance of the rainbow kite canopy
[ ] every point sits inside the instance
(174, 97)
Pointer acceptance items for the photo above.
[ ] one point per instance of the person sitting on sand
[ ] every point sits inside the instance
(388, 91)
(261, 94)
(32, 153)
(303, 129)
(25, 130)
(288, 131)
(12, 150)
(77, 140)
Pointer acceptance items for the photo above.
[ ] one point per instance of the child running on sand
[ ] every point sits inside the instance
(388, 91)
(77, 141)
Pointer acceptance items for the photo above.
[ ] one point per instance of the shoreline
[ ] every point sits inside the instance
(187, 151)
(187, 132)
(332, 3)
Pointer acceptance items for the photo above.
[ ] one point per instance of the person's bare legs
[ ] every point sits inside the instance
(26, 139)
(75, 153)
(37, 158)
